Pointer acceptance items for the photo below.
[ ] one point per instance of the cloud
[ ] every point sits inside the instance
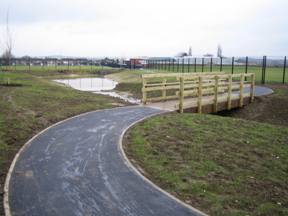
(137, 27)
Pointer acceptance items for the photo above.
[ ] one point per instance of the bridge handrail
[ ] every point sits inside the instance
(196, 85)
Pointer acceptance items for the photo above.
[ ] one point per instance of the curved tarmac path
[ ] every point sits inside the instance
(77, 168)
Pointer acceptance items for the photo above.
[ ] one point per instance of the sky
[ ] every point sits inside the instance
(130, 28)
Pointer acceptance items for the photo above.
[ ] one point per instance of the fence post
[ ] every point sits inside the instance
(202, 64)
(233, 65)
(188, 65)
(252, 87)
(195, 64)
(246, 67)
(263, 69)
(29, 65)
(211, 64)
(221, 63)
(178, 65)
(181, 99)
(284, 69)
(183, 65)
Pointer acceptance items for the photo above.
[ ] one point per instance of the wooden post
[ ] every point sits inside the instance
(200, 94)
(284, 69)
(216, 93)
(144, 93)
(241, 89)
(229, 92)
(252, 87)
(164, 88)
(181, 99)
(29, 65)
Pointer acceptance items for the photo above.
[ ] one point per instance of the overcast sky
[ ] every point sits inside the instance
(128, 28)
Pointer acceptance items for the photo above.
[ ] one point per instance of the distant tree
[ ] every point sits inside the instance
(219, 51)
(7, 42)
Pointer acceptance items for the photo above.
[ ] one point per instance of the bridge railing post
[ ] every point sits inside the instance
(181, 94)
(199, 102)
(229, 92)
(216, 93)
(241, 90)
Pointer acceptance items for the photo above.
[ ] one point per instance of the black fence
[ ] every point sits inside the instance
(267, 69)
(61, 63)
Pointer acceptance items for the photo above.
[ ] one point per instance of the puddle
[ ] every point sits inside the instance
(89, 84)
(98, 86)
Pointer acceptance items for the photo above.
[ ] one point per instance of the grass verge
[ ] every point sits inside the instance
(223, 166)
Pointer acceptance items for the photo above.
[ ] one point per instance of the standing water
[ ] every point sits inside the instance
(97, 85)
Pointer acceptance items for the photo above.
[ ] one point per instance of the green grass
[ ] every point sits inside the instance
(273, 74)
(221, 165)
(31, 103)
(42, 71)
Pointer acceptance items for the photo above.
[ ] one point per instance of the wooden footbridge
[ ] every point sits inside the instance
(198, 92)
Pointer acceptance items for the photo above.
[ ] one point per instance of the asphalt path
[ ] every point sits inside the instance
(77, 168)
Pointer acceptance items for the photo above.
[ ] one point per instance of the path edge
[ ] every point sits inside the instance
(6, 206)
(136, 171)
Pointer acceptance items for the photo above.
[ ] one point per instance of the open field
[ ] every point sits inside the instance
(273, 74)
(221, 165)
(50, 70)
(31, 103)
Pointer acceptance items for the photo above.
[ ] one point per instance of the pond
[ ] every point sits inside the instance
(97, 85)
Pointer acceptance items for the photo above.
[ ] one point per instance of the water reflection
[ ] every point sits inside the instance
(99, 86)
(89, 84)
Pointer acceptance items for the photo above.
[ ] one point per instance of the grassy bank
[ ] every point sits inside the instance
(269, 109)
(221, 165)
(31, 103)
